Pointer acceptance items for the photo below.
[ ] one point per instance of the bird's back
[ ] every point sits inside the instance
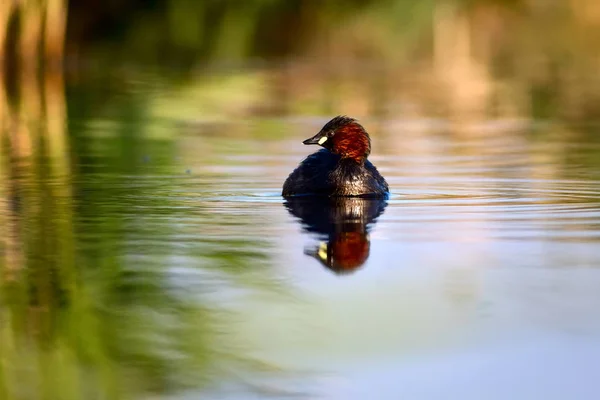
(327, 174)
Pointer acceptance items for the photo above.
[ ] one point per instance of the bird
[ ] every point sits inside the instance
(341, 167)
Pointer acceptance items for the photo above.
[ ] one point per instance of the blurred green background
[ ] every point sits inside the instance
(522, 58)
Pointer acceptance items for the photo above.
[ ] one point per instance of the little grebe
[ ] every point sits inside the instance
(341, 168)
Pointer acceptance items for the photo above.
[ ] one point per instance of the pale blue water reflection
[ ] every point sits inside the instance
(481, 279)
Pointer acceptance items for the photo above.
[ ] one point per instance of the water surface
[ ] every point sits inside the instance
(160, 261)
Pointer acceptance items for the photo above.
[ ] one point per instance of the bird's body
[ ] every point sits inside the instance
(341, 168)
(326, 174)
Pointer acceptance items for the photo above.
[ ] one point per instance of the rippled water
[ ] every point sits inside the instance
(481, 279)
(174, 267)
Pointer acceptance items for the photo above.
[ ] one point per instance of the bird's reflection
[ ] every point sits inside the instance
(343, 224)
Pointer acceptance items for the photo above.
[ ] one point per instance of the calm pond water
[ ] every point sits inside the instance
(162, 262)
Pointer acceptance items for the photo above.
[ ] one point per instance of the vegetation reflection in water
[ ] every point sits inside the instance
(90, 303)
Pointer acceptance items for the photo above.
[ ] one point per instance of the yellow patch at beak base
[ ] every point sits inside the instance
(322, 251)
(322, 140)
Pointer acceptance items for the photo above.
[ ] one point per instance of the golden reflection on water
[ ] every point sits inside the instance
(38, 269)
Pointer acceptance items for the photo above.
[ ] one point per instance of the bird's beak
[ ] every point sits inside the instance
(319, 139)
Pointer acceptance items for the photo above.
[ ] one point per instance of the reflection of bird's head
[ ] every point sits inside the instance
(344, 253)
